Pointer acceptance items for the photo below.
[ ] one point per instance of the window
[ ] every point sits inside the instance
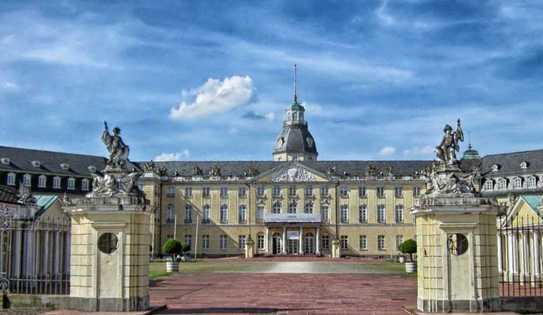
(381, 242)
(205, 214)
(27, 180)
(222, 241)
(85, 184)
(170, 191)
(260, 191)
(398, 192)
(325, 242)
(188, 240)
(399, 241)
(398, 213)
(344, 241)
(170, 214)
(380, 192)
(363, 214)
(531, 182)
(242, 217)
(11, 179)
(259, 213)
(242, 192)
(188, 214)
(362, 192)
(292, 191)
(292, 207)
(188, 192)
(488, 185)
(344, 214)
(224, 214)
(324, 191)
(308, 208)
(224, 192)
(501, 184)
(205, 241)
(241, 242)
(276, 207)
(308, 191)
(42, 181)
(205, 191)
(381, 215)
(324, 214)
(416, 191)
(71, 183)
(276, 191)
(56, 182)
(363, 242)
(343, 192)
(260, 241)
(517, 183)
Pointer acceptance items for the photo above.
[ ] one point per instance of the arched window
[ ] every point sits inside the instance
(11, 179)
(56, 182)
(517, 183)
(84, 184)
(71, 183)
(292, 207)
(501, 184)
(531, 182)
(27, 180)
(308, 208)
(488, 185)
(42, 181)
(276, 207)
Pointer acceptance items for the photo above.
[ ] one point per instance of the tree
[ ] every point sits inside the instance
(409, 247)
(173, 248)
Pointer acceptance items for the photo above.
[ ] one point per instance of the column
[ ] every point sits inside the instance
(536, 253)
(525, 256)
(301, 247)
(510, 255)
(267, 241)
(317, 241)
(284, 243)
(499, 243)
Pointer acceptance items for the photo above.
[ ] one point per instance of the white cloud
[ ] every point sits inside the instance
(10, 86)
(386, 151)
(270, 116)
(215, 96)
(175, 156)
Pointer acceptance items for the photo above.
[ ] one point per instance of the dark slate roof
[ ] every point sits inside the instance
(8, 195)
(510, 163)
(341, 168)
(21, 160)
(297, 139)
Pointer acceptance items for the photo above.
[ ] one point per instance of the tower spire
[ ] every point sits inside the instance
(295, 91)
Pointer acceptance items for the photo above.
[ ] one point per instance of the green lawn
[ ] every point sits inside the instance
(158, 269)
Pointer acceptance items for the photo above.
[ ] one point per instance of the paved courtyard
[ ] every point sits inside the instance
(293, 287)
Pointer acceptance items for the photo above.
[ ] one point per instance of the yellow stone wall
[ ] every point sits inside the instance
(352, 230)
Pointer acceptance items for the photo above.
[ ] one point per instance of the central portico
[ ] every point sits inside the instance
(292, 234)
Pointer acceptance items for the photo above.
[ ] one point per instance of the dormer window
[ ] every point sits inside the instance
(27, 180)
(92, 168)
(42, 181)
(56, 182)
(11, 179)
(488, 185)
(65, 166)
(85, 184)
(531, 182)
(523, 165)
(36, 163)
(495, 167)
(5, 160)
(71, 183)
(517, 183)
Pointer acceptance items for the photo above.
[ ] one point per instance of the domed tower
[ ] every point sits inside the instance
(471, 154)
(295, 142)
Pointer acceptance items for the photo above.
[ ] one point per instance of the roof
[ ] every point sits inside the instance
(295, 138)
(534, 201)
(44, 202)
(8, 195)
(509, 163)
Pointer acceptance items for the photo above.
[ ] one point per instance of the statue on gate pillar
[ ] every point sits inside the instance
(450, 144)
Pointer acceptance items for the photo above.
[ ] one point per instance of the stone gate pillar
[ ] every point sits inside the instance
(456, 238)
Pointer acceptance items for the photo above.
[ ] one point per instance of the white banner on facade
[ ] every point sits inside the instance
(293, 235)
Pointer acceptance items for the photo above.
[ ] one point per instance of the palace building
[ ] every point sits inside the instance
(293, 204)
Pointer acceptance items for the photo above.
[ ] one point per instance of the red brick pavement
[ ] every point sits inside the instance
(233, 293)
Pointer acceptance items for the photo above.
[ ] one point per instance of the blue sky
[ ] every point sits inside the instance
(210, 80)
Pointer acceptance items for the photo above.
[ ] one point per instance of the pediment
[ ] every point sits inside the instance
(293, 173)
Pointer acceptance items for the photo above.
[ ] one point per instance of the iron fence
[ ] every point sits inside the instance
(519, 255)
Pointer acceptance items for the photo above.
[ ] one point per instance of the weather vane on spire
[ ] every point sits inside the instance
(295, 92)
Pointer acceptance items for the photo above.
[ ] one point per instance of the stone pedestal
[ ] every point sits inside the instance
(457, 253)
(109, 254)
(249, 248)
(336, 251)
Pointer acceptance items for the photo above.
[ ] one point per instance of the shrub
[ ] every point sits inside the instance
(409, 247)
(173, 248)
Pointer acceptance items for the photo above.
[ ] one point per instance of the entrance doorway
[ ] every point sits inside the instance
(276, 244)
(309, 243)
(292, 247)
